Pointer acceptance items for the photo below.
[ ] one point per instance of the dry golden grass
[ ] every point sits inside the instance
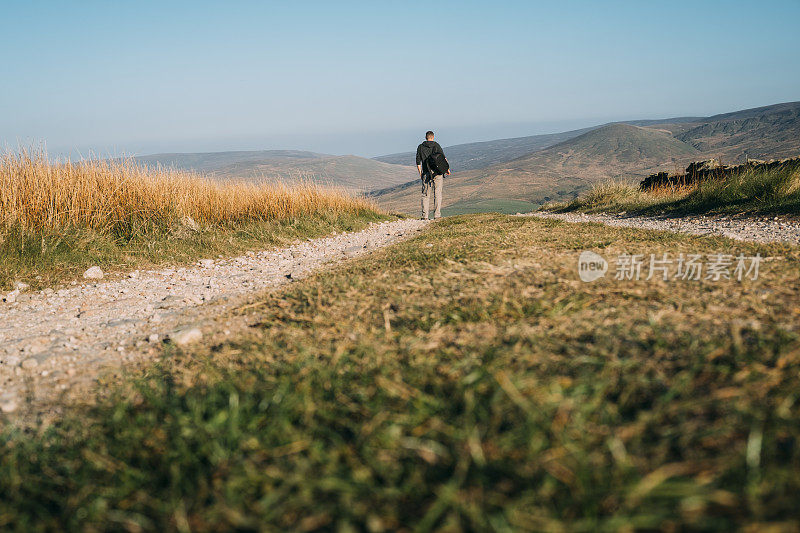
(672, 191)
(123, 199)
(759, 191)
(609, 193)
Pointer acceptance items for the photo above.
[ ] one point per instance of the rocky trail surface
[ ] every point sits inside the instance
(761, 229)
(55, 342)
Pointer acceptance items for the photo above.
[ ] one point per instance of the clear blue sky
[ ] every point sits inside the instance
(370, 77)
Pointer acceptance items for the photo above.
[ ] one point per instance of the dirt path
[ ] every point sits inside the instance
(761, 229)
(54, 342)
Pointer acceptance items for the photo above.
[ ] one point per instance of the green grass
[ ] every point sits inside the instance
(489, 206)
(462, 380)
(755, 192)
(44, 259)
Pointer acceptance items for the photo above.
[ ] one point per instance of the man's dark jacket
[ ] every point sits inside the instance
(424, 151)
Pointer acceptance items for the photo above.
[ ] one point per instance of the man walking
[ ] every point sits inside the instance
(432, 166)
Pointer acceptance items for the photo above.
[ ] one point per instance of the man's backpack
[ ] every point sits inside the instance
(437, 163)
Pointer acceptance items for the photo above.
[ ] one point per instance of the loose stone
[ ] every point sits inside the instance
(94, 272)
(186, 336)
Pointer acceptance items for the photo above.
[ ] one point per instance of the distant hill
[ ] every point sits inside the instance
(620, 150)
(211, 161)
(471, 156)
(520, 173)
(611, 151)
(354, 173)
(617, 145)
(770, 132)
(476, 155)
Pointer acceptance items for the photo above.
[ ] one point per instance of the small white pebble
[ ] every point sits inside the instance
(9, 407)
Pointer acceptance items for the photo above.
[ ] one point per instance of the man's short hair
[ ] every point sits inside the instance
(429, 135)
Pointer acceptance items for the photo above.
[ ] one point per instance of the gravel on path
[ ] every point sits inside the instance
(762, 229)
(56, 340)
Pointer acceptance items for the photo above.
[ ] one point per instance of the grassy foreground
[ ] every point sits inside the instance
(461, 380)
(756, 192)
(57, 219)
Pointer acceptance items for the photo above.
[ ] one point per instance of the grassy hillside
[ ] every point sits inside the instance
(477, 155)
(464, 380)
(353, 173)
(620, 150)
(775, 191)
(771, 132)
(616, 150)
(618, 144)
(58, 219)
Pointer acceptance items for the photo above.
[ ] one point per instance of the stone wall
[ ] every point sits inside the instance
(699, 171)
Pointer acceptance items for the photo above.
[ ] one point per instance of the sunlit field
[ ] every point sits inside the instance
(57, 217)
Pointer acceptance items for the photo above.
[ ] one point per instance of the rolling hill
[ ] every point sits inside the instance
(615, 145)
(611, 151)
(472, 156)
(476, 155)
(354, 173)
(770, 132)
(518, 174)
(619, 150)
